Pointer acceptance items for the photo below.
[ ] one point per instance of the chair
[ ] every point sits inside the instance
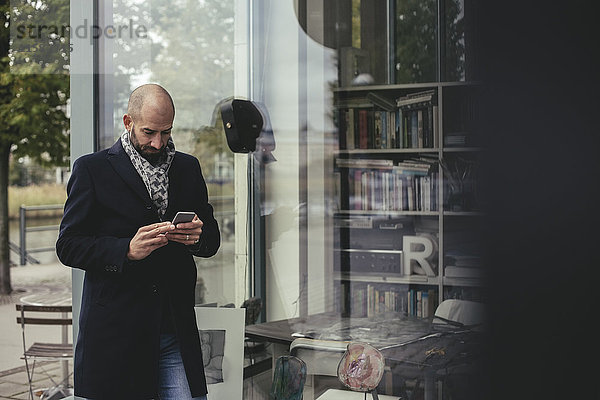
(288, 379)
(462, 380)
(459, 313)
(61, 351)
(252, 307)
(325, 358)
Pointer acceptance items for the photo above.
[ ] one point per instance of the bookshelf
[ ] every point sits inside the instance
(408, 217)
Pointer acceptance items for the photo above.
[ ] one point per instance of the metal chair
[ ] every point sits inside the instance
(288, 379)
(460, 313)
(59, 351)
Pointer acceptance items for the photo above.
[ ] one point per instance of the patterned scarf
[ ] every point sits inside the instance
(156, 178)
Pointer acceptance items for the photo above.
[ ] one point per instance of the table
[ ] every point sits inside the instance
(48, 298)
(412, 347)
(53, 298)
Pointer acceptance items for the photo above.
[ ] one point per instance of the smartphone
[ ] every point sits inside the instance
(183, 216)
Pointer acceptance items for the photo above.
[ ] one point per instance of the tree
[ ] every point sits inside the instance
(194, 59)
(416, 36)
(34, 88)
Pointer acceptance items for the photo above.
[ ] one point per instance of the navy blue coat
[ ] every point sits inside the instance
(117, 348)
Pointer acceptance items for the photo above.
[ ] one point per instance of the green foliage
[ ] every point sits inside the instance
(194, 61)
(416, 41)
(34, 88)
(416, 22)
(33, 105)
(39, 36)
(190, 53)
(195, 58)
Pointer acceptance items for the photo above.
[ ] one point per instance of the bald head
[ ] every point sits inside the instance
(150, 98)
(149, 120)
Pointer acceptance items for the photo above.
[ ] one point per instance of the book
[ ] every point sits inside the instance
(414, 130)
(350, 129)
(399, 193)
(384, 130)
(363, 129)
(370, 129)
(425, 304)
(377, 142)
(381, 101)
(358, 194)
(409, 170)
(410, 193)
(395, 129)
(405, 130)
(415, 98)
(428, 127)
(364, 163)
(428, 92)
(435, 130)
(420, 140)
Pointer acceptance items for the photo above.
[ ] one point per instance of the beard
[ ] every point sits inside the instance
(152, 155)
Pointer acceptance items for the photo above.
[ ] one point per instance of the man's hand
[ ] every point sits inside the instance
(147, 239)
(187, 233)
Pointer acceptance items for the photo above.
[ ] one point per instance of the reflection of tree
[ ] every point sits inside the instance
(210, 140)
(455, 41)
(194, 57)
(131, 55)
(33, 96)
(415, 40)
(194, 60)
(189, 51)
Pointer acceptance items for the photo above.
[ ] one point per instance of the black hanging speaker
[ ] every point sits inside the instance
(242, 122)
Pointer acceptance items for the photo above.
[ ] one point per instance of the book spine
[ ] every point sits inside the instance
(361, 191)
(420, 139)
(341, 121)
(350, 129)
(377, 134)
(399, 130)
(429, 131)
(358, 189)
(425, 304)
(436, 132)
(414, 129)
(370, 129)
(393, 129)
(384, 130)
(399, 193)
(362, 129)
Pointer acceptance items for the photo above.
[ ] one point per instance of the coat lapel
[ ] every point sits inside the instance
(123, 166)
(175, 173)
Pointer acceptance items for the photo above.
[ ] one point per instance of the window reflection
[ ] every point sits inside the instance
(415, 31)
(187, 47)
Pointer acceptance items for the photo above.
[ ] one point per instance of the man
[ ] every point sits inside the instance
(138, 337)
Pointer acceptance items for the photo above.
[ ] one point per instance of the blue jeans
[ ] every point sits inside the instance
(172, 382)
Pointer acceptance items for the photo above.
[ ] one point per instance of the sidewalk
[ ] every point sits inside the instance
(28, 280)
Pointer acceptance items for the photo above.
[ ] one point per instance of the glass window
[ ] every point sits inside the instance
(415, 41)
(357, 226)
(187, 47)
